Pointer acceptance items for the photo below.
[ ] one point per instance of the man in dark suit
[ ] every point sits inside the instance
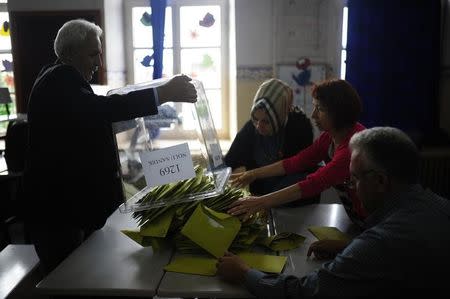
(72, 178)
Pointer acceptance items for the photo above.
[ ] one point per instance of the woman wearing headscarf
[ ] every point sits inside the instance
(337, 107)
(276, 130)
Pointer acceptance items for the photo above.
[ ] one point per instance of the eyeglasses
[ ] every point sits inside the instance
(351, 183)
(263, 122)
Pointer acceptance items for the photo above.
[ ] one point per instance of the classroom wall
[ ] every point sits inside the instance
(268, 33)
(254, 52)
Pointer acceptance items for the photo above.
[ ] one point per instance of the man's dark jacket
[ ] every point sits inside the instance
(71, 176)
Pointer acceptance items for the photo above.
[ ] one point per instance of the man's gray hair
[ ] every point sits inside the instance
(73, 34)
(389, 150)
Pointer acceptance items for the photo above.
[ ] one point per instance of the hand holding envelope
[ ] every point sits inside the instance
(331, 242)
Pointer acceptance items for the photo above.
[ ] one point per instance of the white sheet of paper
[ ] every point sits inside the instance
(216, 154)
(171, 164)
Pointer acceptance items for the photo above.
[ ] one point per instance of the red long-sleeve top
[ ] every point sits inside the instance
(334, 173)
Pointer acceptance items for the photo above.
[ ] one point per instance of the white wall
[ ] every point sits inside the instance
(333, 34)
(114, 43)
(299, 30)
(254, 32)
(268, 32)
(273, 32)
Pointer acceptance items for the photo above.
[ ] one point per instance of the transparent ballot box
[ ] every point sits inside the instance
(177, 149)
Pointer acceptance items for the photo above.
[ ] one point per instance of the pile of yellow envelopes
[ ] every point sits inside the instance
(201, 232)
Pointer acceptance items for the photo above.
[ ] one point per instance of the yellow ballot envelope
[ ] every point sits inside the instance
(155, 242)
(211, 230)
(264, 262)
(193, 265)
(328, 233)
(283, 241)
(158, 227)
(134, 235)
(203, 265)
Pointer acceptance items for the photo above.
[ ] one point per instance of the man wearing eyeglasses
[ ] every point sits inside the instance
(405, 248)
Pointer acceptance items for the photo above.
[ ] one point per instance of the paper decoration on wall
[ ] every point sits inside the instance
(4, 30)
(146, 19)
(146, 61)
(207, 61)
(194, 34)
(8, 65)
(9, 81)
(208, 20)
(303, 76)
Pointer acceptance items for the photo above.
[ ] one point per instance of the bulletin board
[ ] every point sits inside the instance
(292, 75)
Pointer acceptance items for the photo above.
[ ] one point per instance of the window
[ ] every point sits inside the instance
(195, 43)
(344, 42)
(6, 70)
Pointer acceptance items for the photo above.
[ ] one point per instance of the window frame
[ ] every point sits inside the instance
(343, 63)
(4, 8)
(176, 47)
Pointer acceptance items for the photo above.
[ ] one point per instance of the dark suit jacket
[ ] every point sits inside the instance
(71, 175)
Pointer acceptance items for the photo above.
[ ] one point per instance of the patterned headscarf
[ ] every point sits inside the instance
(275, 97)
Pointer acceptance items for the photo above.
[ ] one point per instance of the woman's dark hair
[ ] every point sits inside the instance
(340, 100)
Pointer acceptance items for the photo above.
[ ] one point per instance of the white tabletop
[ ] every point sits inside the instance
(297, 220)
(186, 285)
(108, 264)
(16, 261)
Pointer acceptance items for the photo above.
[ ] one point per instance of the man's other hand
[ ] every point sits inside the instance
(177, 89)
(232, 268)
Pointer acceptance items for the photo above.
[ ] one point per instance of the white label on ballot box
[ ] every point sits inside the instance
(171, 164)
(216, 154)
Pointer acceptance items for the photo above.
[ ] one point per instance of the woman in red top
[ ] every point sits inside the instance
(337, 107)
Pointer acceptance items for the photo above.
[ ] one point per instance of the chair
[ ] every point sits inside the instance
(16, 141)
(11, 185)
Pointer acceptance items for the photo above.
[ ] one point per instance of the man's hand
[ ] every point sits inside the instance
(247, 206)
(177, 89)
(327, 249)
(242, 179)
(232, 268)
(239, 169)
